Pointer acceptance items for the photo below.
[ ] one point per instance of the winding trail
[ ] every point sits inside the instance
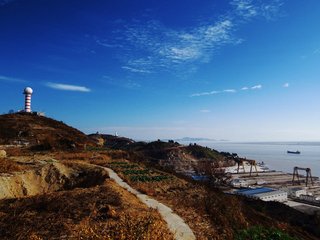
(175, 224)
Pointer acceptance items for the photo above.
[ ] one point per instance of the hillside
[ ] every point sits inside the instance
(169, 154)
(111, 141)
(42, 197)
(209, 212)
(40, 133)
(72, 190)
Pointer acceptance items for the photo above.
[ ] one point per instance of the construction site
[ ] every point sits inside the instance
(298, 189)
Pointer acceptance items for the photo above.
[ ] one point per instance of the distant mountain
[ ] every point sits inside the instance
(190, 139)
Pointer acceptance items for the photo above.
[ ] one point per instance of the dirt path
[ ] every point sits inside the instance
(176, 224)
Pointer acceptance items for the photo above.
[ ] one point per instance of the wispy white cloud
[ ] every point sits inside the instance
(140, 65)
(272, 9)
(11, 79)
(108, 45)
(259, 86)
(147, 45)
(225, 91)
(245, 8)
(204, 94)
(135, 70)
(256, 87)
(286, 85)
(180, 53)
(252, 8)
(213, 93)
(167, 48)
(230, 91)
(205, 110)
(67, 87)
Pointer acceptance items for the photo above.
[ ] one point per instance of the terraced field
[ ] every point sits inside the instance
(138, 173)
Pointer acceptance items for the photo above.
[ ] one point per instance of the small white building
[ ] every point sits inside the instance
(265, 194)
(310, 198)
(239, 183)
(295, 192)
(276, 195)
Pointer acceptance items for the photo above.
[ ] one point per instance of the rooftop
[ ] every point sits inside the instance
(255, 191)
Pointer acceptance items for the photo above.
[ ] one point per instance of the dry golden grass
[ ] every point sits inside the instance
(214, 215)
(109, 212)
(183, 197)
(14, 151)
(9, 166)
(102, 212)
(187, 201)
(126, 227)
(100, 158)
(74, 155)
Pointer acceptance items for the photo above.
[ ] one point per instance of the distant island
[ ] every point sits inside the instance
(191, 139)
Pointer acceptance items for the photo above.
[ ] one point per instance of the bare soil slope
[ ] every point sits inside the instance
(32, 177)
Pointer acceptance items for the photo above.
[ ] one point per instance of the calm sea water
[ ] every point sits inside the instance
(274, 154)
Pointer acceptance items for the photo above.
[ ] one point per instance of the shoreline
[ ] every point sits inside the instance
(273, 154)
(260, 168)
(307, 201)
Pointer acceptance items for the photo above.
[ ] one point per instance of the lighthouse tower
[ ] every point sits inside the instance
(27, 103)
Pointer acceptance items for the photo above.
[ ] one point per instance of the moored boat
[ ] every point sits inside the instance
(294, 152)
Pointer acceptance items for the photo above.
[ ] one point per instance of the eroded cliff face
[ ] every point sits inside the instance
(49, 177)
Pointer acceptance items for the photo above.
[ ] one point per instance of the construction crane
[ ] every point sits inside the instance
(296, 174)
(252, 163)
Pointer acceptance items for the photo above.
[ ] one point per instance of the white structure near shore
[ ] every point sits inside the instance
(295, 192)
(309, 198)
(246, 168)
(265, 194)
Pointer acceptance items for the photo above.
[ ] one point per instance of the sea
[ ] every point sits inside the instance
(273, 154)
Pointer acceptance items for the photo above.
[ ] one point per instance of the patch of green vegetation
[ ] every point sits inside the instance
(146, 178)
(123, 165)
(151, 147)
(93, 148)
(202, 152)
(262, 233)
(136, 172)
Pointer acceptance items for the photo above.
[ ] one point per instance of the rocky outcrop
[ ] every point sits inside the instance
(3, 153)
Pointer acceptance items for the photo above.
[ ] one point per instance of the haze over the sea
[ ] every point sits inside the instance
(242, 70)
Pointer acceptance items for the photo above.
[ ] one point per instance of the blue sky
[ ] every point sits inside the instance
(243, 70)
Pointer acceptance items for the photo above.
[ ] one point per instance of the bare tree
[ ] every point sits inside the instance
(213, 172)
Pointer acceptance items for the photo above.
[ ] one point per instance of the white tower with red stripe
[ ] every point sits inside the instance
(27, 103)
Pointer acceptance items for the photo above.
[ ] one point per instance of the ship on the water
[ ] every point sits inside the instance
(294, 152)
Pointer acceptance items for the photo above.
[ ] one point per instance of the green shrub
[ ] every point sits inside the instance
(262, 233)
